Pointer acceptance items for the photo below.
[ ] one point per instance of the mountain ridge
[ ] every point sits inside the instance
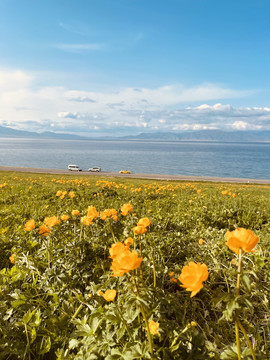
(195, 135)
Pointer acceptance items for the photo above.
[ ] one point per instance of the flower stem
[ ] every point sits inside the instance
(154, 265)
(150, 340)
(236, 316)
(110, 226)
(247, 339)
(239, 272)
(77, 312)
(237, 340)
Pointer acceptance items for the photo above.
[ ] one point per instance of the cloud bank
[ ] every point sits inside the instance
(26, 105)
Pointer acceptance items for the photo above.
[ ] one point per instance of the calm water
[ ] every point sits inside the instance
(241, 160)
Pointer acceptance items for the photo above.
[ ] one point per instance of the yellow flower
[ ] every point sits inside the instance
(51, 221)
(117, 249)
(109, 295)
(201, 241)
(29, 225)
(224, 192)
(108, 213)
(59, 193)
(144, 222)
(241, 238)
(71, 194)
(126, 209)
(128, 241)
(64, 217)
(75, 213)
(124, 262)
(92, 212)
(86, 220)
(139, 230)
(192, 277)
(12, 258)
(153, 327)
(44, 230)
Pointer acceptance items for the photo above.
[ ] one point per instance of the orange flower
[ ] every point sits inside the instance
(241, 238)
(71, 194)
(144, 222)
(59, 193)
(139, 230)
(153, 327)
(51, 221)
(12, 258)
(29, 225)
(129, 241)
(64, 217)
(126, 209)
(117, 249)
(109, 295)
(192, 277)
(124, 262)
(92, 212)
(201, 241)
(75, 213)
(109, 213)
(86, 220)
(44, 230)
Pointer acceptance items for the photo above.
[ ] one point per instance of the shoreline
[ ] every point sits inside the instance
(135, 175)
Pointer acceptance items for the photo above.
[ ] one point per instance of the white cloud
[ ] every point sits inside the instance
(25, 105)
(77, 48)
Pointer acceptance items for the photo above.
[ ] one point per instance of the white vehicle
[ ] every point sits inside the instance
(74, 168)
(95, 169)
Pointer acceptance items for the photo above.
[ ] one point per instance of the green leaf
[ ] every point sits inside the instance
(84, 330)
(27, 317)
(17, 303)
(46, 345)
(229, 354)
(73, 343)
(246, 282)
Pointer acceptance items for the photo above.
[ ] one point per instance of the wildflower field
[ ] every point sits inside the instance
(107, 268)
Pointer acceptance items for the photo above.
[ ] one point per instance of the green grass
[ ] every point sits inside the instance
(50, 301)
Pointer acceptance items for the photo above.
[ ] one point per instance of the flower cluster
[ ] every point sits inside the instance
(142, 226)
(91, 215)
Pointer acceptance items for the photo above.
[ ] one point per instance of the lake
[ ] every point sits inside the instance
(241, 160)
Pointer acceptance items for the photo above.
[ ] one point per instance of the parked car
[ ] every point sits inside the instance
(124, 172)
(74, 168)
(95, 169)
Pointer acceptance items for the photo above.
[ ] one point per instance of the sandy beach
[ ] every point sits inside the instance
(134, 175)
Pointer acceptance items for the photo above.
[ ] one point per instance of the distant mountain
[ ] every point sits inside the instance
(205, 135)
(200, 135)
(9, 132)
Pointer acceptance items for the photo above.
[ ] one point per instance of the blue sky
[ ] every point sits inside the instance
(100, 67)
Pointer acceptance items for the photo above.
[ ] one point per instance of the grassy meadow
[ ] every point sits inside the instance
(109, 268)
